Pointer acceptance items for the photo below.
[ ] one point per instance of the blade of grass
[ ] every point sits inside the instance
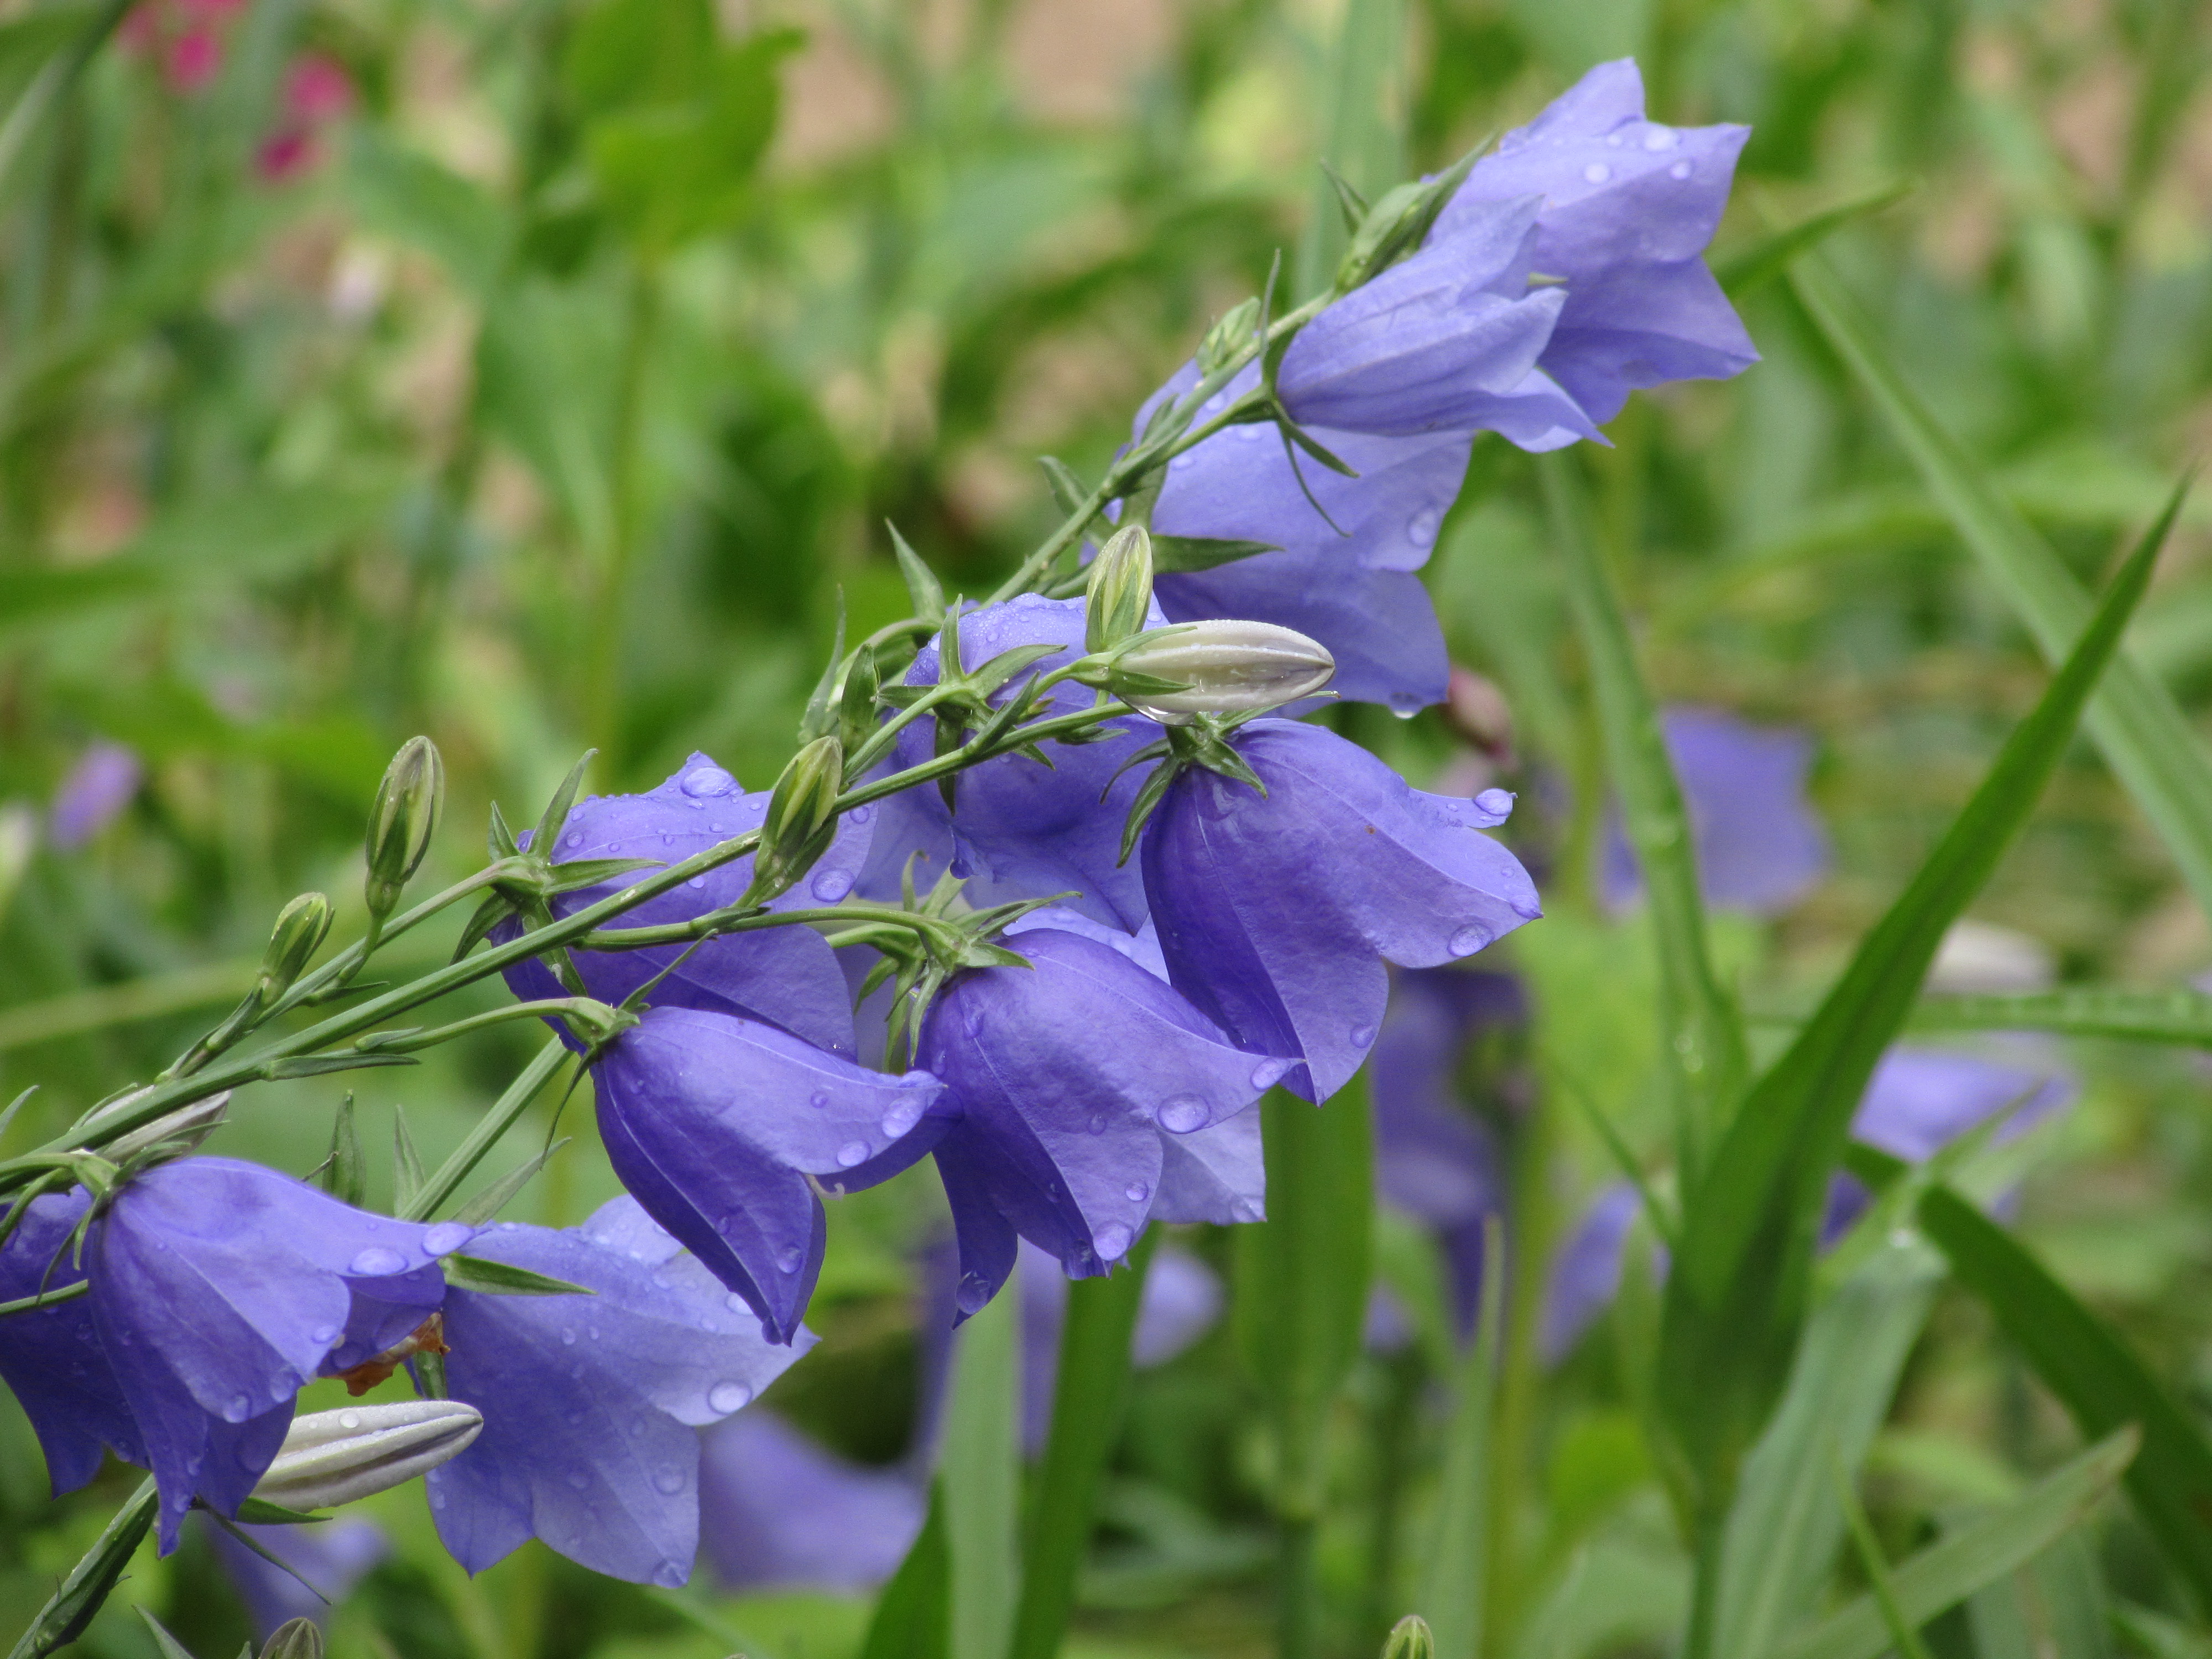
(1454, 1598)
(440, 1188)
(1088, 1396)
(2095, 1375)
(1944, 1574)
(912, 1617)
(2144, 736)
(1736, 1301)
(981, 1470)
(1704, 1036)
(1768, 258)
(1903, 1631)
(2179, 1017)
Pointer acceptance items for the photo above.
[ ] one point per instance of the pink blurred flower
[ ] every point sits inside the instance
(194, 60)
(286, 154)
(316, 89)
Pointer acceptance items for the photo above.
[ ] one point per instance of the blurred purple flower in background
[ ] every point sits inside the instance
(104, 781)
(1585, 1274)
(1180, 1304)
(778, 1510)
(590, 1402)
(332, 1556)
(1759, 844)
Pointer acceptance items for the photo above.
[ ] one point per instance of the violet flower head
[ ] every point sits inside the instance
(1629, 207)
(1018, 830)
(50, 1357)
(1759, 844)
(590, 1402)
(1180, 1301)
(220, 1288)
(786, 976)
(778, 1511)
(1276, 912)
(332, 1557)
(103, 781)
(1586, 1273)
(1073, 1077)
(722, 1127)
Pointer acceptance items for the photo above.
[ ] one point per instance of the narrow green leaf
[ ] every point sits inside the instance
(2179, 1017)
(924, 592)
(1704, 1034)
(440, 1188)
(1455, 1592)
(1904, 1629)
(165, 1645)
(2145, 737)
(486, 1205)
(2095, 1375)
(1944, 1574)
(1364, 83)
(2057, 1605)
(489, 1278)
(260, 1512)
(912, 1617)
(820, 717)
(1768, 258)
(1785, 1527)
(1088, 1395)
(352, 1060)
(90, 1583)
(1171, 553)
(556, 814)
(1736, 1300)
(407, 1176)
(345, 1173)
(980, 1469)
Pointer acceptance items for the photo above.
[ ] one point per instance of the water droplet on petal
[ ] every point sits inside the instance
(728, 1397)
(1136, 1192)
(696, 881)
(832, 885)
(1097, 1124)
(1613, 140)
(1661, 139)
(376, 1261)
(702, 781)
(670, 1481)
(852, 1152)
(1182, 1114)
(1181, 461)
(972, 1022)
(901, 1118)
(1597, 173)
(1468, 941)
(437, 1500)
(819, 1099)
(1113, 1241)
(569, 1336)
(1362, 1036)
(240, 1407)
(788, 1258)
(323, 1334)
(447, 1237)
(1265, 1074)
(1679, 170)
(1421, 530)
(860, 815)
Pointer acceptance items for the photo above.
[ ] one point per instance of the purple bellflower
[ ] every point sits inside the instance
(50, 1357)
(220, 1288)
(1759, 844)
(1276, 912)
(1628, 208)
(98, 788)
(590, 1402)
(723, 1128)
(778, 1511)
(786, 976)
(1018, 830)
(1073, 1077)
(332, 1557)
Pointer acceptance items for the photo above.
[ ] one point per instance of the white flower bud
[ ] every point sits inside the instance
(334, 1457)
(187, 1128)
(1222, 668)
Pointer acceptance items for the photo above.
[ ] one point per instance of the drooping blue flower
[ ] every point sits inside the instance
(1760, 844)
(50, 1357)
(220, 1288)
(721, 1128)
(1072, 1079)
(1629, 207)
(1019, 830)
(777, 1511)
(787, 977)
(591, 1402)
(1276, 912)
(332, 1556)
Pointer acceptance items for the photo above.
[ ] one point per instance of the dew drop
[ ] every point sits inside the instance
(1597, 173)
(1097, 1124)
(1613, 140)
(901, 1118)
(702, 780)
(1264, 1075)
(1660, 138)
(819, 1099)
(323, 1334)
(860, 815)
(728, 1397)
(1181, 461)
(1182, 1114)
(376, 1261)
(1136, 1192)
(1113, 1241)
(349, 1420)
(1679, 170)
(572, 841)
(282, 1386)
(696, 881)
(1362, 1036)
(447, 1237)
(832, 885)
(670, 1481)
(852, 1152)
(240, 1408)
(734, 1302)
(437, 1500)
(569, 1336)
(788, 1258)
(972, 1022)
(1421, 529)
(1468, 941)
(717, 827)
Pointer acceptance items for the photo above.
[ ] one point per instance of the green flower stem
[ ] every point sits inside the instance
(46, 1298)
(70, 1608)
(407, 1042)
(440, 1186)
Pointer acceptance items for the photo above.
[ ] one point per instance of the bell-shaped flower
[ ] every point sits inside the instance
(220, 1288)
(725, 1129)
(1277, 911)
(591, 1401)
(786, 976)
(51, 1357)
(1018, 829)
(778, 1511)
(1760, 844)
(1073, 1078)
(1629, 208)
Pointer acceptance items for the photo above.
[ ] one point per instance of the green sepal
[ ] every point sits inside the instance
(495, 908)
(499, 840)
(345, 1172)
(260, 1512)
(488, 1278)
(1203, 552)
(316, 1065)
(496, 1196)
(549, 822)
(590, 873)
(924, 591)
(408, 1174)
(816, 721)
(1068, 493)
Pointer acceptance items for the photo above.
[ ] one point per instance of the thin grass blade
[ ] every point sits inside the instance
(1453, 1593)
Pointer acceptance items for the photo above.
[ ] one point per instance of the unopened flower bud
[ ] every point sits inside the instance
(295, 1639)
(1227, 336)
(1222, 667)
(180, 1132)
(1393, 227)
(1121, 591)
(400, 824)
(801, 814)
(299, 932)
(331, 1458)
(1410, 1639)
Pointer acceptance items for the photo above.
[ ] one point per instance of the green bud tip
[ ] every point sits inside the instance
(330, 1458)
(1120, 591)
(401, 823)
(174, 1133)
(1410, 1639)
(1385, 234)
(805, 795)
(295, 1639)
(1227, 336)
(1223, 667)
(301, 928)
